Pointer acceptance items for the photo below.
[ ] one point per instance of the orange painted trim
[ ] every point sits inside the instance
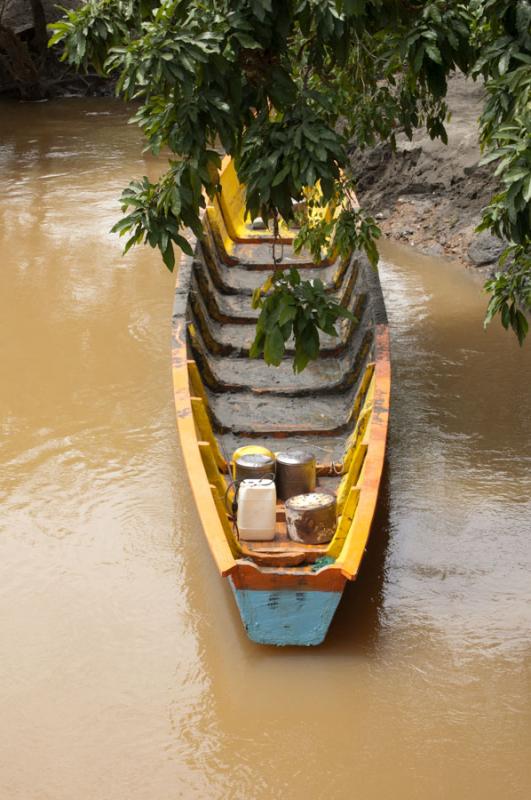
(250, 576)
(356, 541)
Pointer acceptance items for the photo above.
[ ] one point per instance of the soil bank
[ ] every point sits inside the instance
(429, 194)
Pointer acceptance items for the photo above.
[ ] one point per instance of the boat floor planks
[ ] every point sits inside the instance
(286, 592)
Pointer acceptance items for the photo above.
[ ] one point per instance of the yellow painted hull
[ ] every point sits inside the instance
(286, 594)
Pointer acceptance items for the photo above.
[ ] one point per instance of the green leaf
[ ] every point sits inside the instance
(280, 176)
(184, 244)
(434, 53)
(288, 311)
(274, 347)
(520, 326)
(168, 256)
(247, 41)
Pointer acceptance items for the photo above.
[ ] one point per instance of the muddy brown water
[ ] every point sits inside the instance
(124, 671)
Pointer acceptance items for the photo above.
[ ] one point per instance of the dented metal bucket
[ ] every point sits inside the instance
(311, 518)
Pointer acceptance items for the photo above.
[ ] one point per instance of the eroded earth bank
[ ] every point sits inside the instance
(430, 195)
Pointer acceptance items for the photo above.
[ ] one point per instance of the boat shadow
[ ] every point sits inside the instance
(357, 623)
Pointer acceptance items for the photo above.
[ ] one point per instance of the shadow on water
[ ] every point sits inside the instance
(356, 625)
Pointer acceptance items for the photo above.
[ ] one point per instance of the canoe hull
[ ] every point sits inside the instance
(286, 616)
(286, 593)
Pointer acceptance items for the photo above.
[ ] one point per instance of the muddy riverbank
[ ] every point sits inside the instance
(430, 195)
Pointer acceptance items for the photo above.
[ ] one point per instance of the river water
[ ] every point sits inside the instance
(124, 671)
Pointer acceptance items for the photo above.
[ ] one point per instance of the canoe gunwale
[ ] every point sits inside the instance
(349, 560)
(200, 486)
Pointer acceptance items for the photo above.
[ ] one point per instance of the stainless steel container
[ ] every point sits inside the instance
(254, 465)
(295, 473)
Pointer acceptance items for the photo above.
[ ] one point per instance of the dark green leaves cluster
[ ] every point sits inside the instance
(503, 35)
(89, 32)
(283, 154)
(162, 58)
(293, 309)
(284, 85)
(506, 120)
(395, 75)
(160, 209)
(509, 213)
(511, 292)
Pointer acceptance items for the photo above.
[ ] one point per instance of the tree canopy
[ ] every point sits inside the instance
(284, 86)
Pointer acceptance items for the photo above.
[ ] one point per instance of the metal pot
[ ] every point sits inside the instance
(296, 473)
(311, 518)
(254, 465)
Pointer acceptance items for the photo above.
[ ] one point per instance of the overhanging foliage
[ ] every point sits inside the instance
(284, 85)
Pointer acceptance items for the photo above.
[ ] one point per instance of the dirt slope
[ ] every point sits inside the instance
(430, 194)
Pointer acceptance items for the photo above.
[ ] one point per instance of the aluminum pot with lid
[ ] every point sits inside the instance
(296, 473)
(254, 465)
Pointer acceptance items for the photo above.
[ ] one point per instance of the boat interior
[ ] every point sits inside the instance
(327, 409)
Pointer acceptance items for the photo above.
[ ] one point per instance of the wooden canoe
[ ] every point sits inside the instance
(286, 592)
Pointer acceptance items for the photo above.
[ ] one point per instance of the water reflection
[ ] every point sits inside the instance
(461, 450)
